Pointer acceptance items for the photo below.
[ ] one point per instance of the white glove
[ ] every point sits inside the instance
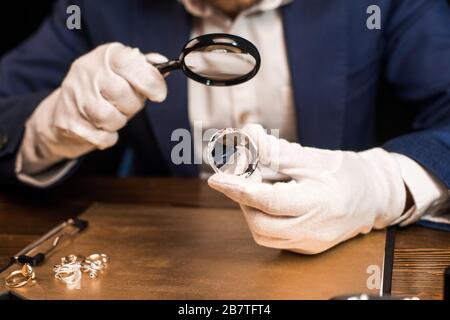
(101, 92)
(333, 195)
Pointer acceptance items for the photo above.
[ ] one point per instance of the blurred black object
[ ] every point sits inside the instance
(19, 19)
(9, 296)
(447, 285)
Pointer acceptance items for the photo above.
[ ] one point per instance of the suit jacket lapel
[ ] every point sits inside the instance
(316, 41)
(164, 27)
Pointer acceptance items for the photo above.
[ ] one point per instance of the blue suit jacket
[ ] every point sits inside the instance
(338, 68)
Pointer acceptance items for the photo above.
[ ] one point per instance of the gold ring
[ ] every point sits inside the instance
(20, 278)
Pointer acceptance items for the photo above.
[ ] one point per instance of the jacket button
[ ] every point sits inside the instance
(3, 141)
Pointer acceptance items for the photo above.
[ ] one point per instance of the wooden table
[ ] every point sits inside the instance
(420, 254)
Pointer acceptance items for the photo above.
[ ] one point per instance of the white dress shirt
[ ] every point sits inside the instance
(267, 100)
(250, 102)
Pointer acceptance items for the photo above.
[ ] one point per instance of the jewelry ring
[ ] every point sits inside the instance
(97, 259)
(94, 264)
(20, 278)
(71, 259)
(69, 273)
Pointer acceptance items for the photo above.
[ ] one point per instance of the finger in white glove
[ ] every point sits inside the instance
(156, 58)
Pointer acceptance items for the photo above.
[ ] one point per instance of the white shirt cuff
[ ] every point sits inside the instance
(429, 194)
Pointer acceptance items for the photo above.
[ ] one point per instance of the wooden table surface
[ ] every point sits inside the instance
(420, 254)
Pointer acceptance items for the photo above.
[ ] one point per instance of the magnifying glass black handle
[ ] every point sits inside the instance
(168, 66)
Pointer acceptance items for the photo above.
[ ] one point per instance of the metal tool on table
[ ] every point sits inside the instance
(33, 255)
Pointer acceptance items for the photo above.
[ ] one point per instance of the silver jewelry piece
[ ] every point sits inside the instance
(71, 268)
(69, 273)
(94, 264)
(232, 151)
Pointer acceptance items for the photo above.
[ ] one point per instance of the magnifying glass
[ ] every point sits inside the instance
(217, 59)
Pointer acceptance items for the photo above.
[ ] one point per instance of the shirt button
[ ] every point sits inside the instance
(3, 141)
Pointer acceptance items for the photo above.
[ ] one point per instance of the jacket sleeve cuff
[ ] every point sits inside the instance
(428, 193)
(46, 178)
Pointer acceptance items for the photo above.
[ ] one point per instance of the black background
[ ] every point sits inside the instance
(19, 19)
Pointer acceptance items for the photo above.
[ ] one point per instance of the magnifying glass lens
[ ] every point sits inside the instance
(220, 63)
(216, 59)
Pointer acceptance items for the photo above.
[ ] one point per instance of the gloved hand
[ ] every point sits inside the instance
(101, 92)
(332, 195)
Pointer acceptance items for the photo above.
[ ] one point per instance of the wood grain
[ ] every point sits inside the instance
(420, 257)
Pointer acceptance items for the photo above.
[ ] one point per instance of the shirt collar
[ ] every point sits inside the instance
(201, 8)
